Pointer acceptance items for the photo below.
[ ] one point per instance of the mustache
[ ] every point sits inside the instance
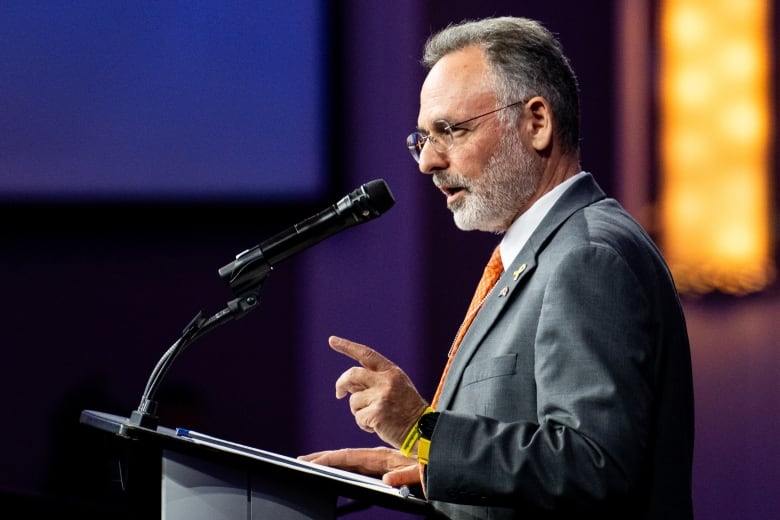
(450, 179)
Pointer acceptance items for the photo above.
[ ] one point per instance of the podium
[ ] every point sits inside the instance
(177, 474)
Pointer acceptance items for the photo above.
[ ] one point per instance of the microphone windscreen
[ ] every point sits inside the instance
(379, 194)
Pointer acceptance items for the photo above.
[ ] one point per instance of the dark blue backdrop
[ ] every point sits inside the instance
(174, 100)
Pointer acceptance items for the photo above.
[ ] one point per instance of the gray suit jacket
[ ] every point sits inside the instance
(571, 394)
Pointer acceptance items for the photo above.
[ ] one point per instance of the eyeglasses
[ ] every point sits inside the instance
(441, 135)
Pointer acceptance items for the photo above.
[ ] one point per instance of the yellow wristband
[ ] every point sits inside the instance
(413, 436)
(423, 447)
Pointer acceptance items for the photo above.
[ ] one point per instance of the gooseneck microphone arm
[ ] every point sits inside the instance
(146, 413)
(248, 271)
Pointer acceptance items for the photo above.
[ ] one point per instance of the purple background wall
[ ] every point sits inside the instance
(94, 295)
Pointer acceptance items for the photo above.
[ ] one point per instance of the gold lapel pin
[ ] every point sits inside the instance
(517, 273)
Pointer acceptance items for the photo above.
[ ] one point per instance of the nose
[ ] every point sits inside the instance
(432, 160)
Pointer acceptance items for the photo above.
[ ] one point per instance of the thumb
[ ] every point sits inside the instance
(405, 476)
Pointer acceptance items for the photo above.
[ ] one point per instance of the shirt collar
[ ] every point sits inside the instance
(524, 226)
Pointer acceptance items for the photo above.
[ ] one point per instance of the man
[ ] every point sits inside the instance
(570, 394)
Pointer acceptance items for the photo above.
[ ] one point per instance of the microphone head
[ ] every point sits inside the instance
(365, 203)
(379, 194)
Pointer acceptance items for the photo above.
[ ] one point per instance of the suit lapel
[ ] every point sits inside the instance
(509, 283)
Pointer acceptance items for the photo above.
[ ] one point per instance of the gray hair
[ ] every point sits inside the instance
(525, 59)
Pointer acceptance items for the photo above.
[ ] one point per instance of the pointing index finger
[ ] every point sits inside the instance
(366, 356)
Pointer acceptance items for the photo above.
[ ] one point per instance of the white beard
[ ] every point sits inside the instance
(495, 199)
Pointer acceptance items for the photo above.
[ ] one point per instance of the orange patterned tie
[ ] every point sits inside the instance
(490, 276)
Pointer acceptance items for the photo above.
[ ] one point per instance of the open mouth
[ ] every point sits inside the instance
(453, 193)
(451, 190)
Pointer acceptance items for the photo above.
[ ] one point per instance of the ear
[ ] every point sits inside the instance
(540, 123)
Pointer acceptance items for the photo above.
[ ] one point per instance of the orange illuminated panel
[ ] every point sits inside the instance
(714, 141)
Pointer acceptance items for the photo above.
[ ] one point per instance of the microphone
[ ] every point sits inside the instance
(252, 266)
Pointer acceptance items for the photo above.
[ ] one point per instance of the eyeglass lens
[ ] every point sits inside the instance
(440, 138)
